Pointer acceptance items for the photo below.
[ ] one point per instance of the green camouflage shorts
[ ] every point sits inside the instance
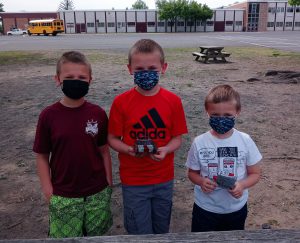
(76, 217)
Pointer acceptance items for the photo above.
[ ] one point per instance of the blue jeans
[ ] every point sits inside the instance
(203, 220)
(147, 209)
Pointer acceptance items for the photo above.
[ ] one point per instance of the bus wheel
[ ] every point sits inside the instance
(45, 33)
(54, 33)
(29, 33)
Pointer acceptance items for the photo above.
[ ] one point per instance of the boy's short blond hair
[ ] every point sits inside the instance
(146, 46)
(72, 57)
(222, 93)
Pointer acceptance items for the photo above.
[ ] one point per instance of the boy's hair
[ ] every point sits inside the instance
(222, 93)
(146, 46)
(73, 57)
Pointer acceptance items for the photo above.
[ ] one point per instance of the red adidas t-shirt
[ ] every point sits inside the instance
(72, 137)
(159, 117)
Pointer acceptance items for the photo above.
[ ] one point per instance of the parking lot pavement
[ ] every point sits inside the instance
(288, 40)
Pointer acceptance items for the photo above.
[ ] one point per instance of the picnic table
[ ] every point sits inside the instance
(211, 52)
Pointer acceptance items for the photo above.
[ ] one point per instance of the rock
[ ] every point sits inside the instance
(271, 73)
(252, 79)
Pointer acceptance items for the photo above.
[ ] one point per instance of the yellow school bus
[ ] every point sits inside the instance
(45, 27)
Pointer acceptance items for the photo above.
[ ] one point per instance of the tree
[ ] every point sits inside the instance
(167, 11)
(191, 11)
(206, 14)
(294, 2)
(139, 4)
(1, 7)
(66, 5)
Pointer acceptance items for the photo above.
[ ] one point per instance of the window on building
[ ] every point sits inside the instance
(210, 23)
(151, 24)
(180, 23)
(297, 24)
(229, 23)
(289, 9)
(90, 24)
(253, 8)
(288, 24)
(198, 23)
(279, 24)
(161, 24)
(170, 23)
(70, 25)
(271, 10)
(190, 23)
(298, 9)
(270, 24)
(238, 23)
(121, 24)
(101, 24)
(131, 24)
(111, 24)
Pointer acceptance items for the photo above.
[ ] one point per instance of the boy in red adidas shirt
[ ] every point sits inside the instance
(147, 112)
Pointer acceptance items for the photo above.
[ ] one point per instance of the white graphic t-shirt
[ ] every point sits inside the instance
(228, 157)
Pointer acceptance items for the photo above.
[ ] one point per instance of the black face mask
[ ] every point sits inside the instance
(75, 89)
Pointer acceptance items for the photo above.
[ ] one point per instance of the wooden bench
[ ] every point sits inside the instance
(205, 56)
(198, 55)
(261, 236)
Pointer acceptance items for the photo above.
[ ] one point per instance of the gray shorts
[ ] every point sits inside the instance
(147, 209)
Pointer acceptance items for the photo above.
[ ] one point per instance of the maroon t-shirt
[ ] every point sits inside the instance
(72, 136)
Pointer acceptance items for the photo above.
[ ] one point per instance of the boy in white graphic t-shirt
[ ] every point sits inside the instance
(222, 163)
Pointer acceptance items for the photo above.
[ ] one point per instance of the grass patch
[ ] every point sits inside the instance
(113, 58)
(252, 52)
(22, 57)
(172, 54)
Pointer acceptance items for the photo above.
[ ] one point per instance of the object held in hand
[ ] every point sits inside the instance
(226, 182)
(142, 146)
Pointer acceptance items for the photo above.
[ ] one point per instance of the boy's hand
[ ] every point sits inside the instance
(237, 191)
(161, 153)
(48, 192)
(207, 185)
(131, 151)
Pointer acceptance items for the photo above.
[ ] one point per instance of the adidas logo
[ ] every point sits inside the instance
(150, 127)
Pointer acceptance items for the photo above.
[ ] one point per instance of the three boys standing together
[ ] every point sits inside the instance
(145, 128)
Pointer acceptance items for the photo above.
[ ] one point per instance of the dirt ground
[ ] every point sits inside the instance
(270, 114)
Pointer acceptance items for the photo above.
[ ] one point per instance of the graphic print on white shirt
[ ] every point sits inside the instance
(222, 161)
(213, 171)
(228, 159)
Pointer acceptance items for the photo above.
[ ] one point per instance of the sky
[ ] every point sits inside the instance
(52, 5)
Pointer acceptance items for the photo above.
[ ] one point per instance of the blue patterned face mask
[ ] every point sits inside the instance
(221, 124)
(146, 80)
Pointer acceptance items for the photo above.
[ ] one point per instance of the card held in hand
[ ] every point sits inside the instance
(226, 182)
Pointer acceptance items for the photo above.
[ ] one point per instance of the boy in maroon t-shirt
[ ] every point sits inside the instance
(73, 158)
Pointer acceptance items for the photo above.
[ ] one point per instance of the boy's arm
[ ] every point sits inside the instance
(104, 151)
(117, 144)
(43, 169)
(253, 176)
(205, 183)
(173, 145)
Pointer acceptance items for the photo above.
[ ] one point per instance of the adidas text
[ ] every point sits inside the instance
(146, 134)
